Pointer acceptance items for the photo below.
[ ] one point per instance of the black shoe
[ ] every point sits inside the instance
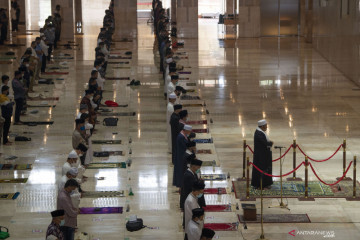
(137, 83)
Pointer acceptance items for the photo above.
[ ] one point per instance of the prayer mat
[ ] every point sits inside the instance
(290, 190)
(212, 163)
(117, 78)
(15, 45)
(15, 166)
(55, 73)
(222, 226)
(29, 123)
(203, 140)
(184, 72)
(105, 110)
(102, 194)
(106, 141)
(106, 165)
(14, 180)
(203, 151)
(193, 105)
(219, 191)
(184, 78)
(108, 153)
(5, 62)
(9, 196)
(278, 218)
(118, 62)
(43, 99)
(119, 57)
(6, 57)
(213, 177)
(60, 58)
(119, 114)
(191, 84)
(33, 106)
(101, 210)
(187, 97)
(200, 130)
(196, 122)
(217, 208)
(121, 67)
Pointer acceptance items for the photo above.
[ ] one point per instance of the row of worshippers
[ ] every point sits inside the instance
(64, 220)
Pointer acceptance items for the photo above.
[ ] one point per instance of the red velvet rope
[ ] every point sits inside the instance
(270, 175)
(283, 154)
(332, 184)
(319, 160)
(250, 149)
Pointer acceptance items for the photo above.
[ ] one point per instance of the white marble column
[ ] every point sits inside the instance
(78, 17)
(67, 17)
(249, 18)
(125, 19)
(173, 10)
(187, 18)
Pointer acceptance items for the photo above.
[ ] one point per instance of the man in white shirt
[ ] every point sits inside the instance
(172, 84)
(83, 109)
(191, 201)
(75, 195)
(194, 228)
(170, 110)
(99, 80)
(73, 161)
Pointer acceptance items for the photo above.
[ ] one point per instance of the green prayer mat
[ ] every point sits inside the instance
(210, 163)
(103, 194)
(14, 180)
(7, 57)
(106, 141)
(15, 166)
(213, 177)
(278, 218)
(297, 189)
(9, 196)
(118, 114)
(106, 165)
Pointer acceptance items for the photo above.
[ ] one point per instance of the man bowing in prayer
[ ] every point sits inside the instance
(262, 156)
(181, 141)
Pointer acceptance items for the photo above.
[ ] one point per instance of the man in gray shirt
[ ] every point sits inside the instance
(19, 96)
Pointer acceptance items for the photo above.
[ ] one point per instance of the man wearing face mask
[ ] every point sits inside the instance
(87, 99)
(100, 80)
(6, 112)
(64, 203)
(190, 177)
(83, 109)
(70, 162)
(172, 85)
(19, 96)
(192, 202)
(170, 110)
(167, 81)
(88, 127)
(262, 156)
(77, 137)
(75, 195)
(181, 141)
(174, 125)
(58, 220)
(196, 224)
(183, 118)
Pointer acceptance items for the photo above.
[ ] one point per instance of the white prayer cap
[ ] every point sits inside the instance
(169, 60)
(73, 171)
(172, 96)
(262, 122)
(73, 154)
(188, 127)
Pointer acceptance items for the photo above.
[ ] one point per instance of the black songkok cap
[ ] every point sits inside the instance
(183, 113)
(198, 185)
(196, 162)
(198, 212)
(57, 213)
(173, 77)
(208, 233)
(177, 107)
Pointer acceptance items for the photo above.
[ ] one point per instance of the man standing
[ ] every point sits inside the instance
(172, 85)
(6, 113)
(19, 96)
(192, 201)
(262, 156)
(53, 231)
(181, 141)
(75, 195)
(64, 203)
(196, 224)
(170, 110)
(78, 138)
(174, 124)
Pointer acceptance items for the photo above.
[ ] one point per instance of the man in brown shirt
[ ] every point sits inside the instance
(64, 203)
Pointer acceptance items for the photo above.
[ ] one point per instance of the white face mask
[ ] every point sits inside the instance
(27, 65)
(88, 126)
(73, 165)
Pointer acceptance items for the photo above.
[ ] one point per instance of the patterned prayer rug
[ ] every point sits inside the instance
(55, 73)
(119, 57)
(203, 140)
(14, 180)
(101, 210)
(192, 105)
(117, 78)
(184, 72)
(203, 151)
(108, 153)
(215, 191)
(212, 163)
(213, 177)
(191, 84)
(9, 196)
(106, 165)
(36, 106)
(121, 114)
(43, 99)
(106, 141)
(102, 194)
(278, 218)
(197, 122)
(297, 189)
(218, 208)
(201, 130)
(118, 62)
(16, 166)
(187, 97)
(33, 123)
(222, 226)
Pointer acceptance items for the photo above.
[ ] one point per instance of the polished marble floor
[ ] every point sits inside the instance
(284, 80)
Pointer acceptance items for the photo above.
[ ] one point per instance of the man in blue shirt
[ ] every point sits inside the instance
(40, 54)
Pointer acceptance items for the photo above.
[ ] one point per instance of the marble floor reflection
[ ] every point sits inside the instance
(284, 80)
